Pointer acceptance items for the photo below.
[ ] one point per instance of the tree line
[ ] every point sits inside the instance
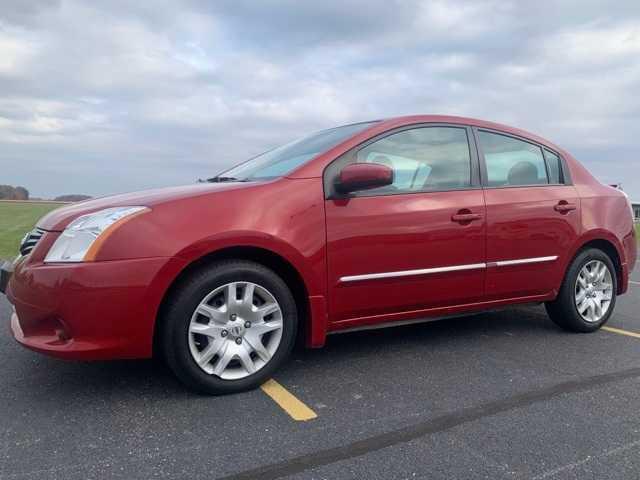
(8, 192)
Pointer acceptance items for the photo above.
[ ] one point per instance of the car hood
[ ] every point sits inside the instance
(58, 219)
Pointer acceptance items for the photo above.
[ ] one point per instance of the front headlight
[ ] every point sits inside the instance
(82, 238)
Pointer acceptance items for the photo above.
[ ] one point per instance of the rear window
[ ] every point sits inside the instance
(512, 162)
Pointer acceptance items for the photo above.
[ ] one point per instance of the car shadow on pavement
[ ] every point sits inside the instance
(153, 379)
(520, 321)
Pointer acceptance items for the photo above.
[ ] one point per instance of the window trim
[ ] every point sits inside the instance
(351, 155)
(564, 171)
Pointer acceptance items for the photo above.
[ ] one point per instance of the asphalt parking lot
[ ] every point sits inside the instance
(498, 395)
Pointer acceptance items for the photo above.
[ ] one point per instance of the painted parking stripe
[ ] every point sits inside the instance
(634, 282)
(621, 332)
(288, 402)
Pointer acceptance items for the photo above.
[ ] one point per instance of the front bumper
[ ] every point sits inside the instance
(89, 311)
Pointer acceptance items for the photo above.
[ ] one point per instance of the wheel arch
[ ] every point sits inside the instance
(264, 256)
(607, 243)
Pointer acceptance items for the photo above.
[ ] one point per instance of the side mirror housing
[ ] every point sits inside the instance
(363, 176)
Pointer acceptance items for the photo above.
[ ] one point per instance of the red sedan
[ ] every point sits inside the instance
(371, 224)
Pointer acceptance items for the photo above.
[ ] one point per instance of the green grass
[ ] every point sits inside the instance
(16, 219)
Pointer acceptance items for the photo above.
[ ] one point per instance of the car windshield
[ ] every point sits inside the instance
(282, 160)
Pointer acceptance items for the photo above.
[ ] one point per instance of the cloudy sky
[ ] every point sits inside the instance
(112, 95)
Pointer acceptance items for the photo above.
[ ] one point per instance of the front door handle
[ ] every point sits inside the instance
(465, 216)
(565, 207)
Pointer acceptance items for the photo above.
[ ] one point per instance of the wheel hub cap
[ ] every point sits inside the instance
(235, 330)
(594, 291)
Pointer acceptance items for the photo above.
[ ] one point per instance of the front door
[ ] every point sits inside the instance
(418, 245)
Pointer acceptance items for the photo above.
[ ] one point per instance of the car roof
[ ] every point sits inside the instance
(392, 122)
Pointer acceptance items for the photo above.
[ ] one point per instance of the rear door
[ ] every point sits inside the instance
(397, 251)
(533, 215)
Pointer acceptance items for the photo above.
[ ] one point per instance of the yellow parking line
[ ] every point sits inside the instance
(622, 332)
(287, 401)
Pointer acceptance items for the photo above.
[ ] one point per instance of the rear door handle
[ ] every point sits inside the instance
(565, 207)
(464, 217)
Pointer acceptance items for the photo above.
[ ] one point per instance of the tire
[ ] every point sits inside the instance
(565, 312)
(200, 318)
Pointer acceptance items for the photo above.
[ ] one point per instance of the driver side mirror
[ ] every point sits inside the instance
(363, 176)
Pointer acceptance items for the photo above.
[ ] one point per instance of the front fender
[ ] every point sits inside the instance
(309, 268)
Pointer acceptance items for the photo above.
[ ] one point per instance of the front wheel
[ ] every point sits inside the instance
(228, 327)
(588, 295)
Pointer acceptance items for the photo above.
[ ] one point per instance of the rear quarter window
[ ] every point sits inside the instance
(554, 167)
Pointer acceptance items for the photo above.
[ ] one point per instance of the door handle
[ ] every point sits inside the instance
(465, 217)
(565, 207)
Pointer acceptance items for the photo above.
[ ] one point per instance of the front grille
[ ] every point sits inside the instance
(30, 241)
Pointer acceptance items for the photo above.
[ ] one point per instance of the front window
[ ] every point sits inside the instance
(282, 160)
(423, 159)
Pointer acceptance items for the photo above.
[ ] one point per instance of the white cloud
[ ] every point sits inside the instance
(15, 53)
(597, 44)
(466, 20)
(130, 95)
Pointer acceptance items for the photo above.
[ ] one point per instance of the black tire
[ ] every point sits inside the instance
(185, 299)
(563, 310)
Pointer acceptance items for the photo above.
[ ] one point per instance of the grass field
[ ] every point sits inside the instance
(16, 219)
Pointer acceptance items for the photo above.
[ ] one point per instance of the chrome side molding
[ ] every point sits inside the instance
(407, 273)
(452, 268)
(506, 263)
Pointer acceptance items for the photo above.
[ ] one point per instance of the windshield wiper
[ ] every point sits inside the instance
(220, 179)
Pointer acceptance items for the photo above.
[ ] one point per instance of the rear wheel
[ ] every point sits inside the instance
(588, 295)
(229, 327)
